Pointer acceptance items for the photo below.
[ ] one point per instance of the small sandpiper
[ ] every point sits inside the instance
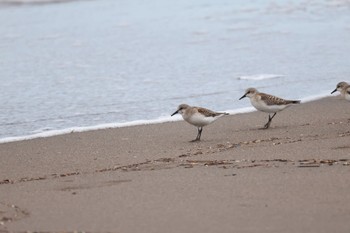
(267, 103)
(198, 117)
(344, 89)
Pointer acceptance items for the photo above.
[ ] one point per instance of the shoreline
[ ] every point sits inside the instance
(160, 120)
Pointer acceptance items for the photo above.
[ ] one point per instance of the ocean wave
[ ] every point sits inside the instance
(259, 77)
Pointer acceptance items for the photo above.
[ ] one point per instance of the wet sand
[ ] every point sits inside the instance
(293, 177)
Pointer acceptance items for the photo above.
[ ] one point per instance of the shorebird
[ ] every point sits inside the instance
(198, 117)
(344, 89)
(267, 103)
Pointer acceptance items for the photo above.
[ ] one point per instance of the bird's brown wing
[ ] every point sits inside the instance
(274, 100)
(208, 113)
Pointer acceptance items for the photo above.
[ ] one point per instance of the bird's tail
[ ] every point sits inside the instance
(220, 114)
(294, 102)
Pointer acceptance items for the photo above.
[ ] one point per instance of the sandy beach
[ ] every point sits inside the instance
(293, 177)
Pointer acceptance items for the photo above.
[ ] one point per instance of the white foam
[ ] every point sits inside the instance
(52, 133)
(258, 77)
(240, 110)
(90, 128)
(316, 97)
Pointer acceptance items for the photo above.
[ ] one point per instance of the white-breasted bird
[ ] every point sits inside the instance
(344, 89)
(267, 103)
(198, 117)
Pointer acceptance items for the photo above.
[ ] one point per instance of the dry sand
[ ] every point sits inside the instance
(293, 177)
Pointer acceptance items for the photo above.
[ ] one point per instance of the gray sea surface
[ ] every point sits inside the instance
(84, 63)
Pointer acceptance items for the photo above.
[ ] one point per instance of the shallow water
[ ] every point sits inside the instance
(85, 63)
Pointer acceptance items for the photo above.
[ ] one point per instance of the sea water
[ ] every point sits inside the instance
(85, 65)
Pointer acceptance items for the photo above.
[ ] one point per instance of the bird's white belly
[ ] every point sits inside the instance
(261, 106)
(347, 97)
(199, 120)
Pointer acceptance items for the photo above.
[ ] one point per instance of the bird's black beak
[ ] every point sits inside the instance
(245, 95)
(177, 111)
(334, 91)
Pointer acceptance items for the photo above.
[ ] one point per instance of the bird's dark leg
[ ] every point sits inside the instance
(267, 125)
(198, 138)
(199, 133)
